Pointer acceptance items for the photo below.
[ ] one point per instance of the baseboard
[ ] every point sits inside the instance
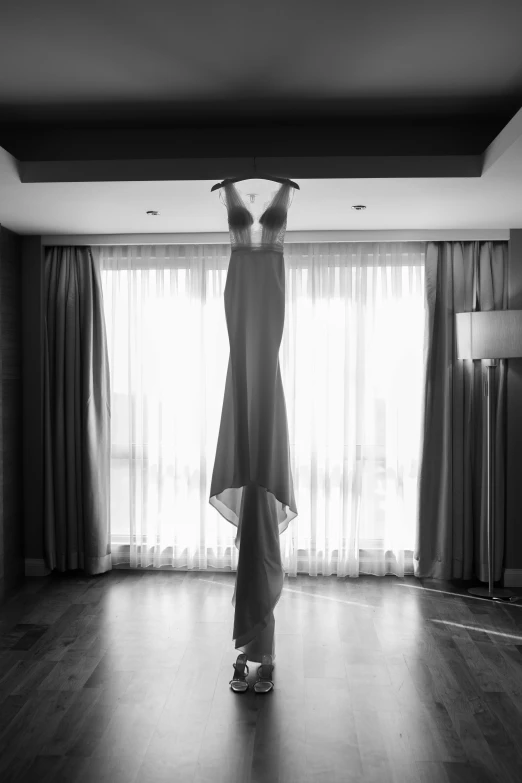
(513, 577)
(35, 566)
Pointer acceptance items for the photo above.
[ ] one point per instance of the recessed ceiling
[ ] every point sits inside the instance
(205, 81)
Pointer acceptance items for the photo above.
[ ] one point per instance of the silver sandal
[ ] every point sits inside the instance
(264, 683)
(238, 682)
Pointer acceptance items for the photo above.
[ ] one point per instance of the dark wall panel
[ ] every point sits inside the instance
(11, 517)
(33, 345)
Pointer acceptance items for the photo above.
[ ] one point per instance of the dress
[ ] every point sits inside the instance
(252, 483)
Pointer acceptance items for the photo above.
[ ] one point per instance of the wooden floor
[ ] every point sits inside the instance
(124, 678)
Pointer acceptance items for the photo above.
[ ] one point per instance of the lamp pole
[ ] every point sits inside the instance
(494, 593)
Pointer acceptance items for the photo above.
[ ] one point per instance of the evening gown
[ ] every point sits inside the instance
(252, 484)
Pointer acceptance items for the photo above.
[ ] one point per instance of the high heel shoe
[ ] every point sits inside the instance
(238, 682)
(264, 682)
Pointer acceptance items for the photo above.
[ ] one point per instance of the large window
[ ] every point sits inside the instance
(352, 367)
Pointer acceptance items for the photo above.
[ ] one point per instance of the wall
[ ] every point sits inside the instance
(32, 297)
(11, 516)
(32, 431)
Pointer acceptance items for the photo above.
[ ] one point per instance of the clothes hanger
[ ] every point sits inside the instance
(230, 180)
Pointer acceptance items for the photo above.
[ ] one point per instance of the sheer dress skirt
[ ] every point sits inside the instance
(252, 483)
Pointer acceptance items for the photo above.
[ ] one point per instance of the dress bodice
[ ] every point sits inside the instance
(267, 232)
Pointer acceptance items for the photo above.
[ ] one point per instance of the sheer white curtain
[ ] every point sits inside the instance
(352, 366)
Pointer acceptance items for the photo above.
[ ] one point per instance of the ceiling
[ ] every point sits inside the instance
(108, 110)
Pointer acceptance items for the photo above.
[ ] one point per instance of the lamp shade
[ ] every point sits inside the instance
(495, 334)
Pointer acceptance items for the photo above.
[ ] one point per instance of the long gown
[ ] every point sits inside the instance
(252, 483)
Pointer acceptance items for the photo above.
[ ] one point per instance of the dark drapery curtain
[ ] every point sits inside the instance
(451, 536)
(76, 414)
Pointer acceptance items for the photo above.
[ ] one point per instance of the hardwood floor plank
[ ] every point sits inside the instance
(477, 665)
(9, 709)
(124, 677)
(507, 714)
(431, 772)
(403, 695)
(467, 773)
(402, 765)
(24, 677)
(70, 727)
(330, 730)
(502, 748)
(50, 641)
(446, 686)
(111, 769)
(95, 722)
(476, 747)
(41, 720)
(374, 758)
(44, 769)
(445, 734)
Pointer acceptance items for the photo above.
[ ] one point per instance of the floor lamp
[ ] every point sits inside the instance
(491, 335)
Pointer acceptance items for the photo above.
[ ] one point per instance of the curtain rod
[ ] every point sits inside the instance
(292, 237)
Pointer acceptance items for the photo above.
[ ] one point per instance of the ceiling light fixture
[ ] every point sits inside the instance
(358, 206)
